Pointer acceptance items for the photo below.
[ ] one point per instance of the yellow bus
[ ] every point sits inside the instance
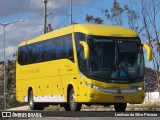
(82, 64)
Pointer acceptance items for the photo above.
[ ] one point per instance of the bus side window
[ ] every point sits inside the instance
(39, 50)
(47, 50)
(63, 47)
(53, 51)
(80, 53)
(44, 55)
(25, 54)
(21, 55)
(29, 54)
(34, 53)
(68, 47)
(58, 48)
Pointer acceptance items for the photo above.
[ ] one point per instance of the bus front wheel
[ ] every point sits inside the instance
(67, 107)
(32, 104)
(74, 106)
(120, 107)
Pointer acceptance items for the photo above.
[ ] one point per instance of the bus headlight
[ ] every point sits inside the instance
(92, 86)
(89, 85)
(96, 87)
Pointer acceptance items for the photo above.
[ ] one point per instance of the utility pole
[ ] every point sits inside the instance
(4, 25)
(70, 12)
(45, 15)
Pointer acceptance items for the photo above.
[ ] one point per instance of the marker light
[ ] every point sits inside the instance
(140, 88)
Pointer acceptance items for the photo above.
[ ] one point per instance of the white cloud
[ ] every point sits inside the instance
(10, 50)
(32, 12)
(11, 7)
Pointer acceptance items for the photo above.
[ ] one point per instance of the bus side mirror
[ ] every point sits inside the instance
(86, 49)
(149, 52)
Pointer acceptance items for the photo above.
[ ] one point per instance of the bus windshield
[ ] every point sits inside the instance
(115, 60)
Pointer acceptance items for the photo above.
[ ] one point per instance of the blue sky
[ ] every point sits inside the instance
(32, 12)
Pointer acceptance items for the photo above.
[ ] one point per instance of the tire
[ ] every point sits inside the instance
(120, 107)
(74, 106)
(32, 104)
(67, 107)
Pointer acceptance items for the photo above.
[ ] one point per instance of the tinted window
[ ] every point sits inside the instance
(21, 55)
(29, 54)
(67, 47)
(58, 48)
(125, 46)
(80, 53)
(52, 49)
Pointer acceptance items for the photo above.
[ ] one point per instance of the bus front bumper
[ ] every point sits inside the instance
(96, 96)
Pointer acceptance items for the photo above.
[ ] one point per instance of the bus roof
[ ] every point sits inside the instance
(89, 29)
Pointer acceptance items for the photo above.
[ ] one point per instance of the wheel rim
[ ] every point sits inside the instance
(31, 101)
(73, 101)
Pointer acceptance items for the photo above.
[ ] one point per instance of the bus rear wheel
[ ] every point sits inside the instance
(120, 107)
(32, 104)
(74, 106)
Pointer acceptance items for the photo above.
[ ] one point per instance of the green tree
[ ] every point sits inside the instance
(94, 20)
(11, 83)
(150, 17)
(10, 75)
(1, 86)
(115, 15)
(150, 12)
(118, 15)
(133, 18)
